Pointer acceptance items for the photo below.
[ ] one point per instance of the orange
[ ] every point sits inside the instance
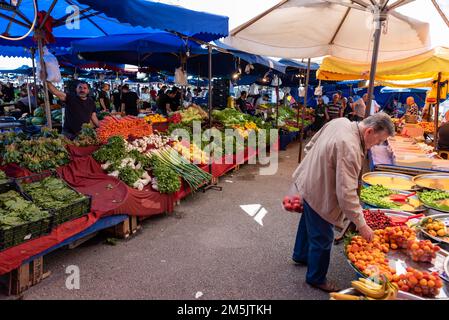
(418, 275)
(430, 284)
(414, 246)
(441, 233)
(413, 281)
(394, 246)
(423, 282)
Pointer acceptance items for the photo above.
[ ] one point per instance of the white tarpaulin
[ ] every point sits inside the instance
(314, 28)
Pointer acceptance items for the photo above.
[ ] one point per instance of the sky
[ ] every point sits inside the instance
(240, 11)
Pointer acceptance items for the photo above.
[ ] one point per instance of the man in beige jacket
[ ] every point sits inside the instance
(328, 180)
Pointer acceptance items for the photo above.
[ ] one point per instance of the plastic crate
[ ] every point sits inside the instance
(30, 230)
(64, 214)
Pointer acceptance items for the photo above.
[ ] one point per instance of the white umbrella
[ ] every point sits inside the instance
(313, 28)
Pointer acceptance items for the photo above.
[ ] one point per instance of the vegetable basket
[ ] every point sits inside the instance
(69, 212)
(15, 235)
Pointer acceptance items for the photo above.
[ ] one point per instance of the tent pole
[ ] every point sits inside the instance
(277, 105)
(44, 81)
(443, 16)
(301, 132)
(437, 111)
(209, 100)
(29, 98)
(297, 115)
(212, 184)
(375, 56)
(33, 57)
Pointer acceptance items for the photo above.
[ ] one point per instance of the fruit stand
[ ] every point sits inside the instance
(409, 254)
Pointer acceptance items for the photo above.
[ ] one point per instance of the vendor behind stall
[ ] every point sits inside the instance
(443, 137)
(25, 102)
(164, 102)
(412, 107)
(130, 99)
(103, 98)
(79, 109)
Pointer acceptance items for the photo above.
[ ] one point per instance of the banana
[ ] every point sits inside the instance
(391, 293)
(341, 296)
(368, 290)
(370, 283)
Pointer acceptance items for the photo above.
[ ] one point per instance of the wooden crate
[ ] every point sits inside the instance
(26, 276)
(126, 228)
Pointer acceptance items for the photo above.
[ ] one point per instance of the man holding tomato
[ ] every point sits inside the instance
(328, 181)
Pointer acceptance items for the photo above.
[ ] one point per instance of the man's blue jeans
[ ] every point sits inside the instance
(313, 245)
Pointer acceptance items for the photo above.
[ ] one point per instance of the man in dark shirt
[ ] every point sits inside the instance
(79, 109)
(129, 101)
(176, 100)
(103, 98)
(240, 103)
(164, 102)
(162, 91)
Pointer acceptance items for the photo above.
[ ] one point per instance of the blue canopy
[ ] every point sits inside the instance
(253, 58)
(298, 64)
(138, 44)
(201, 25)
(26, 70)
(14, 52)
(99, 18)
(146, 50)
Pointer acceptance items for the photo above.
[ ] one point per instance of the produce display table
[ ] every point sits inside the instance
(380, 158)
(112, 202)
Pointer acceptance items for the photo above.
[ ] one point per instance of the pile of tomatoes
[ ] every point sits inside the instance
(293, 203)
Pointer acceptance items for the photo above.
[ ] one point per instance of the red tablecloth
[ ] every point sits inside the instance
(109, 196)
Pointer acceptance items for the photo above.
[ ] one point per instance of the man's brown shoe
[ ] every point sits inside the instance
(328, 286)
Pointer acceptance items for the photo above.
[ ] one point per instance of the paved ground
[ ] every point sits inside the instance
(211, 246)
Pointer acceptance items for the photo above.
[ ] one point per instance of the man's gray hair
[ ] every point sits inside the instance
(380, 122)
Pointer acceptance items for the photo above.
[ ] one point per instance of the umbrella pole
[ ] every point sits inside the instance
(301, 132)
(29, 98)
(44, 81)
(33, 57)
(372, 75)
(277, 106)
(437, 111)
(212, 184)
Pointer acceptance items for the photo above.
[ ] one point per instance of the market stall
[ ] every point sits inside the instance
(123, 167)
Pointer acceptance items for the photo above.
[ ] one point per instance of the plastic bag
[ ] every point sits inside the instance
(253, 90)
(51, 65)
(319, 90)
(249, 67)
(180, 77)
(301, 91)
(293, 201)
(276, 81)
